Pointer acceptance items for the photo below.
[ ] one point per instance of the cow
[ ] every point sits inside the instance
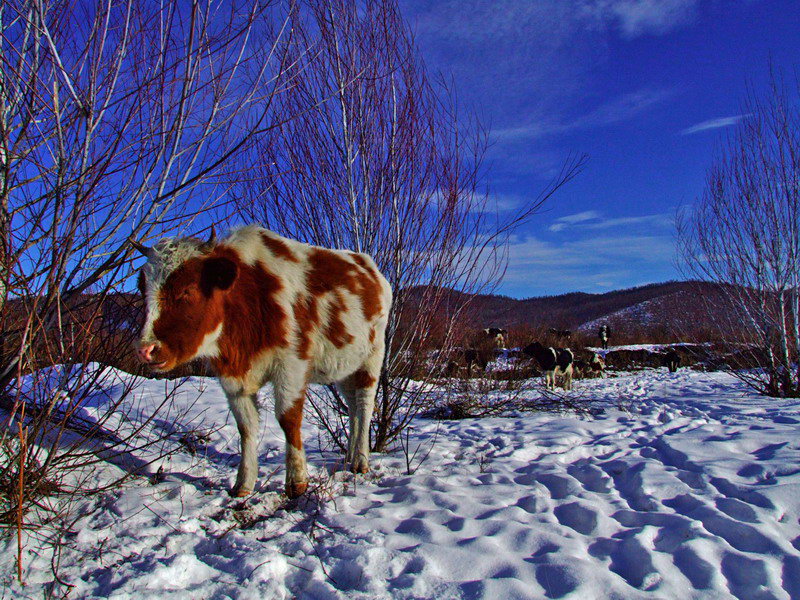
(553, 361)
(560, 334)
(604, 333)
(261, 307)
(498, 336)
(672, 360)
(595, 366)
(580, 369)
(469, 360)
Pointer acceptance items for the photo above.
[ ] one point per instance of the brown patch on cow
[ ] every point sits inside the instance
(279, 248)
(291, 421)
(362, 379)
(296, 489)
(335, 330)
(186, 315)
(306, 317)
(371, 285)
(362, 262)
(219, 288)
(372, 335)
(331, 273)
(254, 320)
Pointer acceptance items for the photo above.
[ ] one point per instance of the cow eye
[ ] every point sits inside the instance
(186, 294)
(140, 284)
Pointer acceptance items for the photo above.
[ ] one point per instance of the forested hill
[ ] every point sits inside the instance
(671, 305)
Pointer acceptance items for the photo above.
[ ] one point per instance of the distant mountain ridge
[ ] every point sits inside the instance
(672, 305)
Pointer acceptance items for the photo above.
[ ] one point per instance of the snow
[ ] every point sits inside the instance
(648, 347)
(643, 313)
(682, 486)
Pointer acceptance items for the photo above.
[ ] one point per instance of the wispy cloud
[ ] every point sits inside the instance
(481, 20)
(635, 18)
(593, 221)
(713, 124)
(616, 110)
(544, 52)
(505, 202)
(592, 264)
(566, 221)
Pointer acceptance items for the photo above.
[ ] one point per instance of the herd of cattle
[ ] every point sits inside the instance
(558, 365)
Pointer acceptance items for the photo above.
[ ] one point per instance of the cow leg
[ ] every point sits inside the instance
(359, 390)
(348, 391)
(290, 396)
(361, 403)
(568, 377)
(245, 411)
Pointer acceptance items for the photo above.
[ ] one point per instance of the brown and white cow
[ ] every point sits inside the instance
(262, 308)
(497, 336)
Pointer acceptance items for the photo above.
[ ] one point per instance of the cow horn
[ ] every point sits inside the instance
(141, 247)
(212, 240)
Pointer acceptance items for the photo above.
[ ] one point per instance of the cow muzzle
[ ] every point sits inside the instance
(147, 355)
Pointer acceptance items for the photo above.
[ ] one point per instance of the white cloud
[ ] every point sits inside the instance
(616, 110)
(586, 215)
(713, 124)
(564, 222)
(592, 220)
(642, 17)
(505, 202)
(587, 264)
(543, 52)
(662, 220)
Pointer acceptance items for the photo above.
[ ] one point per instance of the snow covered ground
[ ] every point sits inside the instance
(693, 492)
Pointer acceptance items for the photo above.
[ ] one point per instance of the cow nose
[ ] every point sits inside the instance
(145, 352)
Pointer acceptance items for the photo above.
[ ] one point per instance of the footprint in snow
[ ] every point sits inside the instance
(573, 515)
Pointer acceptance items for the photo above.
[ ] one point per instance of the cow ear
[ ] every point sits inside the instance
(218, 273)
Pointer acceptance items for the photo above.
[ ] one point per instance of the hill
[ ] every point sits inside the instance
(654, 310)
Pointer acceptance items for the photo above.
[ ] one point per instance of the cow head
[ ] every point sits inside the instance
(183, 284)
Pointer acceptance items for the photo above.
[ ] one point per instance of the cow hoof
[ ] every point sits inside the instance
(360, 465)
(240, 492)
(296, 489)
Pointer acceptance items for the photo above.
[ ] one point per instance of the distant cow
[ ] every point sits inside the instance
(261, 308)
(467, 359)
(498, 336)
(672, 360)
(560, 334)
(597, 366)
(604, 333)
(554, 362)
(580, 369)
(594, 367)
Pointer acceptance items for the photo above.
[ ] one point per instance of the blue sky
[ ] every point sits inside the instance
(647, 88)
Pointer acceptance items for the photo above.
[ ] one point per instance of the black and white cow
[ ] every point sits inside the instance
(672, 360)
(554, 362)
(604, 333)
(560, 334)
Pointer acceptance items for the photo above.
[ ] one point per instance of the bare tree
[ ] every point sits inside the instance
(744, 234)
(383, 164)
(115, 122)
